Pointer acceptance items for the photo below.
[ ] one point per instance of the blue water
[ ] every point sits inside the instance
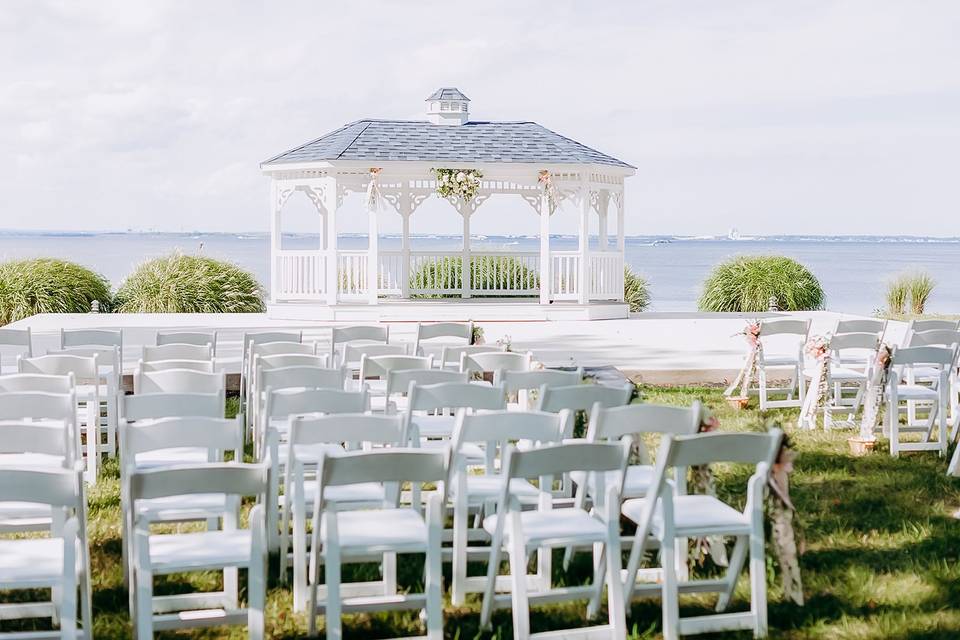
(853, 271)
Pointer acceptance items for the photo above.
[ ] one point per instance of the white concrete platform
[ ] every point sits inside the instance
(660, 348)
(448, 310)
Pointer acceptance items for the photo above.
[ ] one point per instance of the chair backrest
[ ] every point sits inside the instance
(496, 361)
(381, 366)
(283, 404)
(399, 381)
(917, 326)
(230, 478)
(84, 369)
(38, 405)
(177, 352)
(383, 465)
(346, 427)
(359, 333)
(612, 423)
(188, 337)
(262, 349)
(50, 486)
(499, 429)
(514, 381)
(91, 338)
(928, 356)
(282, 360)
(179, 381)
(301, 377)
(582, 397)
(429, 331)
(20, 339)
(455, 395)
(36, 382)
(861, 341)
(106, 356)
(785, 327)
(450, 356)
(261, 337)
(354, 353)
(216, 435)
(52, 439)
(934, 337)
(205, 366)
(861, 325)
(150, 406)
(706, 448)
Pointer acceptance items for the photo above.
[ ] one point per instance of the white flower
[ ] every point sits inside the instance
(461, 176)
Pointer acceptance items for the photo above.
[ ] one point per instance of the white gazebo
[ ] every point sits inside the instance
(393, 163)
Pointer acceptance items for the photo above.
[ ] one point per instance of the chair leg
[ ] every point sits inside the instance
(486, 608)
(299, 558)
(144, 597)
(389, 571)
(332, 617)
(758, 582)
(762, 383)
(599, 561)
(616, 608)
(433, 590)
(737, 559)
(256, 597)
(670, 601)
(458, 591)
(518, 579)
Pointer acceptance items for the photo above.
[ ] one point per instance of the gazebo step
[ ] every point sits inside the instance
(447, 310)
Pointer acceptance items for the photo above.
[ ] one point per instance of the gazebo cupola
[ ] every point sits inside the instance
(447, 105)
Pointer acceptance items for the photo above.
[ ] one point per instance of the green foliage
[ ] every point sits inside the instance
(913, 287)
(48, 285)
(748, 283)
(921, 286)
(189, 284)
(486, 273)
(636, 291)
(898, 290)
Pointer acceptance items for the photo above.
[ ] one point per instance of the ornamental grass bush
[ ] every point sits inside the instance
(636, 291)
(913, 288)
(750, 283)
(48, 285)
(180, 283)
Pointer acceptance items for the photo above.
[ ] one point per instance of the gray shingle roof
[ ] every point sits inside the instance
(415, 140)
(448, 93)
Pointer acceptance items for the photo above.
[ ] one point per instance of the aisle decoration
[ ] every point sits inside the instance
(748, 373)
(477, 336)
(817, 399)
(457, 184)
(549, 189)
(876, 385)
(374, 199)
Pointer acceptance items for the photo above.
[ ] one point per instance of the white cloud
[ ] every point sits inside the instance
(815, 115)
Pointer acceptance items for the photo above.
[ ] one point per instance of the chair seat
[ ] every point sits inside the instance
(372, 530)
(36, 560)
(187, 507)
(553, 527)
(434, 426)
(190, 551)
(694, 515)
(483, 487)
(916, 392)
(638, 479)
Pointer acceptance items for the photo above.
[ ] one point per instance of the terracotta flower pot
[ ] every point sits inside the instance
(739, 402)
(861, 446)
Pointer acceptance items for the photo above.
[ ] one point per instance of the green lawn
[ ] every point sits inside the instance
(882, 560)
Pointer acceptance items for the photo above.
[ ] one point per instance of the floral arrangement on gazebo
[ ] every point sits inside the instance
(460, 184)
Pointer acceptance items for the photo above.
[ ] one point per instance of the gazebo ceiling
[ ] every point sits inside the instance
(425, 141)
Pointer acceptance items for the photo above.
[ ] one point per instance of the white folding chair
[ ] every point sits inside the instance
(310, 438)
(522, 383)
(450, 356)
(938, 338)
(474, 494)
(227, 549)
(852, 356)
(359, 333)
(458, 331)
(151, 406)
(189, 337)
(495, 361)
(92, 338)
(582, 397)
(861, 325)
(246, 365)
(399, 381)
(919, 326)
(293, 377)
(179, 381)
(14, 343)
(782, 344)
(110, 365)
(353, 353)
(85, 373)
(60, 562)
(902, 387)
(663, 517)
(355, 535)
(177, 351)
(55, 413)
(518, 532)
(374, 370)
(430, 415)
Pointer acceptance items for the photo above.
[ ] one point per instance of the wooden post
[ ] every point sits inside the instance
(333, 280)
(465, 255)
(546, 279)
(583, 284)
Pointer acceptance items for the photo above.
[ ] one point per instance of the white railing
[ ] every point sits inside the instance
(390, 273)
(352, 274)
(565, 273)
(505, 273)
(300, 275)
(435, 272)
(606, 275)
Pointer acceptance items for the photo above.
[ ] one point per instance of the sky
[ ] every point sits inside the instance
(771, 116)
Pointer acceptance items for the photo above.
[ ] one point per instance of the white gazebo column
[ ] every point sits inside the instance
(464, 209)
(621, 237)
(546, 280)
(583, 292)
(373, 260)
(603, 200)
(330, 196)
(275, 236)
(405, 211)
